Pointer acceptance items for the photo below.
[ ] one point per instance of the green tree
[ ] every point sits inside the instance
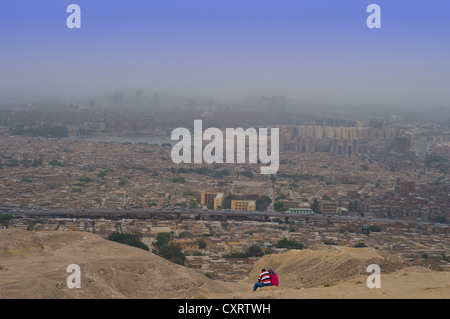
(162, 239)
(179, 179)
(193, 204)
(169, 251)
(12, 163)
(227, 201)
(173, 253)
(36, 163)
(289, 244)
(185, 234)
(248, 174)
(181, 170)
(279, 206)
(203, 171)
(254, 251)
(201, 244)
(128, 239)
(262, 203)
(374, 228)
(25, 162)
(85, 179)
(5, 218)
(439, 219)
(55, 162)
(102, 174)
(315, 207)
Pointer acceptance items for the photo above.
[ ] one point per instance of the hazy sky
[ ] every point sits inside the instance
(317, 50)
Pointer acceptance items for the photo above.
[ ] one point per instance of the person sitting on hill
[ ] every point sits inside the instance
(273, 277)
(263, 280)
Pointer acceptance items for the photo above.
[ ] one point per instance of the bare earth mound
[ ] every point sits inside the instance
(323, 266)
(332, 272)
(33, 265)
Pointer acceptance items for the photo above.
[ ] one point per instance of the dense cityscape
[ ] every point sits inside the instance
(376, 180)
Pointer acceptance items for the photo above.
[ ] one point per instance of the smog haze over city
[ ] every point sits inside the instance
(315, 51)
(218, 138)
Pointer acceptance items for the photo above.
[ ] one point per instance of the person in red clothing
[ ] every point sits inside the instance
(263, 280)
(273, 277)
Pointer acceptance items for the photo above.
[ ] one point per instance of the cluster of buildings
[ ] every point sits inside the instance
(368, 171)
(77, 174)
(334, 139)
(216, 201)
(208, 245)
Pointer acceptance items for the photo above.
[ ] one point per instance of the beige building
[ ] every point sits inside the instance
(207, 198)
(218, 201)
(328, 207)
(243, 205)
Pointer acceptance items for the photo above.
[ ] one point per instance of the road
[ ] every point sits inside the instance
(148, 213)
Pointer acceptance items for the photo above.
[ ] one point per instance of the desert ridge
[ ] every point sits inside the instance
(33, 266)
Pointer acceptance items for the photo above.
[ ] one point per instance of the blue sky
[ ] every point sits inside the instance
(314, 50)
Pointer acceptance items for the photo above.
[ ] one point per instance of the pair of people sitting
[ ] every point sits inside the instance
(266, 278)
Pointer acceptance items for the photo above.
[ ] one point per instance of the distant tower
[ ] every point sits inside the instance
(402, 144)
(334, 146)
(138, 99)
(156, 99)
(118, 100)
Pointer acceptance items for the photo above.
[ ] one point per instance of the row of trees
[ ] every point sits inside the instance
(26, 162)
(4, 219)
(252, 251)
(129, 239)
(45, 130)
(289, 244)
(169, 251)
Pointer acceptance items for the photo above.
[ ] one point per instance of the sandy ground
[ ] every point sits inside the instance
(33, 265)
(409, 283)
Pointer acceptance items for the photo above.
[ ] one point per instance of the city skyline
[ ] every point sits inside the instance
(321, 52)
(173, 149)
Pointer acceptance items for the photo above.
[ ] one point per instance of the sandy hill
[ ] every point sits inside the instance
(326, 272)
(33, 265)
(324, 265)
